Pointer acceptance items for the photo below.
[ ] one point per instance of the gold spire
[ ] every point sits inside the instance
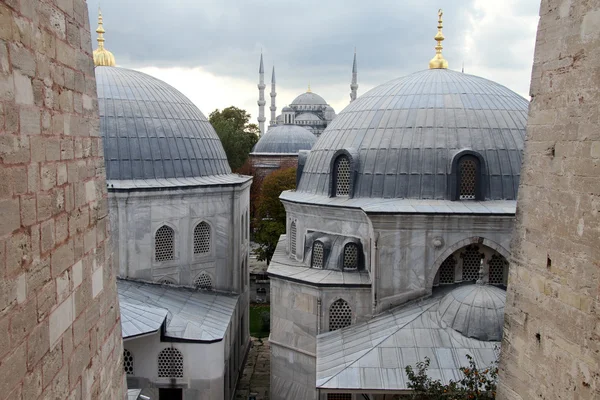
(102, 57)
(438, 62)
(308, 91)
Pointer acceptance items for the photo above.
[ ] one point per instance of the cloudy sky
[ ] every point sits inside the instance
(210, 49)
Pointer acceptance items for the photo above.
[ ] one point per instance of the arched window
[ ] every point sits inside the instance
(351, 256)
(471, 263)
(170, 363)
(202, 238)
(468, 178)
(497, 275)
(128, 362)
(164, 243)
(340, 315)
(203, 281)
(342, 176)
(317, 255)
(293, 239)
(447, 270)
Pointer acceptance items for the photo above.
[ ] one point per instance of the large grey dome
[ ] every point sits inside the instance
(152, 131)
(285, 139)
(404, 134)
(476, 311)
(309, 98)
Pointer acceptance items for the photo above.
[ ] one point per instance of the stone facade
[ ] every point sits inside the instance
(551, 342)
(59, 314)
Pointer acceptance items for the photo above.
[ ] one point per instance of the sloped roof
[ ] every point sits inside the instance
(191, 314)
(372, 355)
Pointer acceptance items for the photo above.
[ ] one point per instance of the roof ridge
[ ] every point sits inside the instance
(383, 340)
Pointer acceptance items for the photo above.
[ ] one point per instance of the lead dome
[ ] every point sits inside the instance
(403, 137)
(152, 131)
(284, 139)
(309, 98)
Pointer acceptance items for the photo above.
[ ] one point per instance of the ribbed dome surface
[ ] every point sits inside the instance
(476, 311)
(406, 132)
(284, 139)
(307, 117)
(152, 131)
(309, 98)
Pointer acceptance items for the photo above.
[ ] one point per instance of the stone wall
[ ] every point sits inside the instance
(551, 341)
(60, 335)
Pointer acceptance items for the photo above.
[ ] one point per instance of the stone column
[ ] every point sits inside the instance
(60, 335)
(551, 344)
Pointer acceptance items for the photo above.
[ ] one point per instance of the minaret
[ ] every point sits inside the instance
(438, 62)
(354, 84)
(273, 107)
(261, 97)
(102, 57)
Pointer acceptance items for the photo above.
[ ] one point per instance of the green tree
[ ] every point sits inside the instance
(475, 384)
(271, 213)
(236, 132)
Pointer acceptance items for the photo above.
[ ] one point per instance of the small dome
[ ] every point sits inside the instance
(309, 98)
(307, 117)
(152, 131)
(476, 311)
(287, 109)
(406, 133)
(285, 139)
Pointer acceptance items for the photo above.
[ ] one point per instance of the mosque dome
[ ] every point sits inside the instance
(287, 109)
(308, 117)
(285, 139)
(404, 137)
(309, 99)
(476, 311)
(152, 131)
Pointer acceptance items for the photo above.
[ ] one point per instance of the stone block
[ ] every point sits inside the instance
(13, 368)
(22, 59)
(51, 364)
(23, 89)
(23, 321)
(9, 216)
(30, 121)
(60, 320)
(62, 258)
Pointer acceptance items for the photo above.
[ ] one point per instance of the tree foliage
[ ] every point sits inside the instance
(237, 134)
(475, 385)
(271, 213)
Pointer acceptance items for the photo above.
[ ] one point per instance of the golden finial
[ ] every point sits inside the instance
(438, 62)
(308, 91)
(102, 57)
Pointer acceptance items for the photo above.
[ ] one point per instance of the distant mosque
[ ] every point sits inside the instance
(308, 110)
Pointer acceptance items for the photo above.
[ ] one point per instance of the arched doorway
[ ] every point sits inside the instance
(465, 263)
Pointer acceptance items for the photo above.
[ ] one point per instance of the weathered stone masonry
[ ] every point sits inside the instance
(551, 346)
(60, 335)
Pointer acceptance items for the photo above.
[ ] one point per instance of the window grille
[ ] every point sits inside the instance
(342, 176)
(170, 363)
(203, 281)
(166, 282)
(447, 270)
(128, 362)
(293, 239)
(471, 263)
(467, 168)
(317, 255)
(497, 265)
(164, 243)
(340, 315)
(350, 256)
(202, 238)
(339, 396)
